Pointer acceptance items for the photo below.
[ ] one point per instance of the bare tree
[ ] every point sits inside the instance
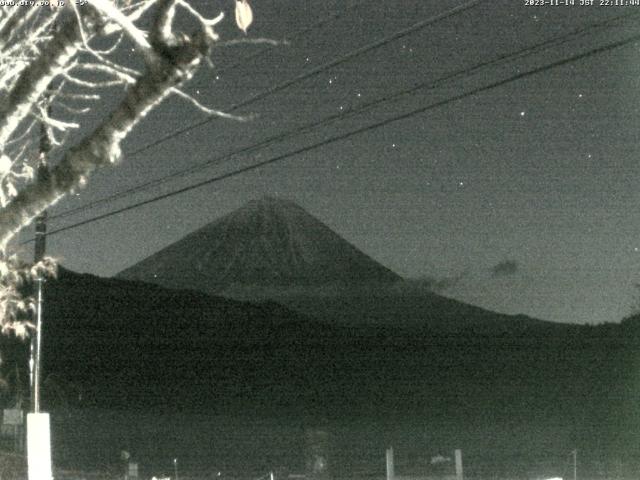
(65, 54)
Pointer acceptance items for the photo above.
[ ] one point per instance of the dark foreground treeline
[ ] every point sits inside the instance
(486, 383)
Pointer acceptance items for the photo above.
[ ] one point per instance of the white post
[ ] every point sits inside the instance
(458, 454)
(39, 446)
(390, 470)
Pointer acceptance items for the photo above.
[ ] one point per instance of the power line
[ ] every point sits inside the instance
(316, 71)
(358, 131)
(303, 76)
(555, 41)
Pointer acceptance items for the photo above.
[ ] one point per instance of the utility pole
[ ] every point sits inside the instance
(575, 464)
(458, 456)
(38, 425)
(390, 467)
(42, 175)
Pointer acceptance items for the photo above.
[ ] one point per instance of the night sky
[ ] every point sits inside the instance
(520, 199)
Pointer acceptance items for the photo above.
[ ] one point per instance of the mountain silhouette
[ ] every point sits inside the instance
(118, 345)
(137, 347)
(272, 249)
(268, 243)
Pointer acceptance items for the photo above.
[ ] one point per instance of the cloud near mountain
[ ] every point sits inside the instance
(505, 268)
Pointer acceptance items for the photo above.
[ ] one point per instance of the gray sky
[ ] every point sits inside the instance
(526, 193)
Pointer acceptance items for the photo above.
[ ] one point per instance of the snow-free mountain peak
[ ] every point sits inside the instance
(268, 242)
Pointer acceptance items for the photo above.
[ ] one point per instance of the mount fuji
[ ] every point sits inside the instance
(268, 243)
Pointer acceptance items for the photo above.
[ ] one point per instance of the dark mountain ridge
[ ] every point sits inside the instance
(123, 340)
(127, 345)
(96, 328)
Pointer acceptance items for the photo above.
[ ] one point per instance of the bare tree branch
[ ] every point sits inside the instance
(40, 64)
(35, 79)
(173, 65)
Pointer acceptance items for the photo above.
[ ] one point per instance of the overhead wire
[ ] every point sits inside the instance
(316, 71)
(345, 135)
(432, 84)
(303, 76)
